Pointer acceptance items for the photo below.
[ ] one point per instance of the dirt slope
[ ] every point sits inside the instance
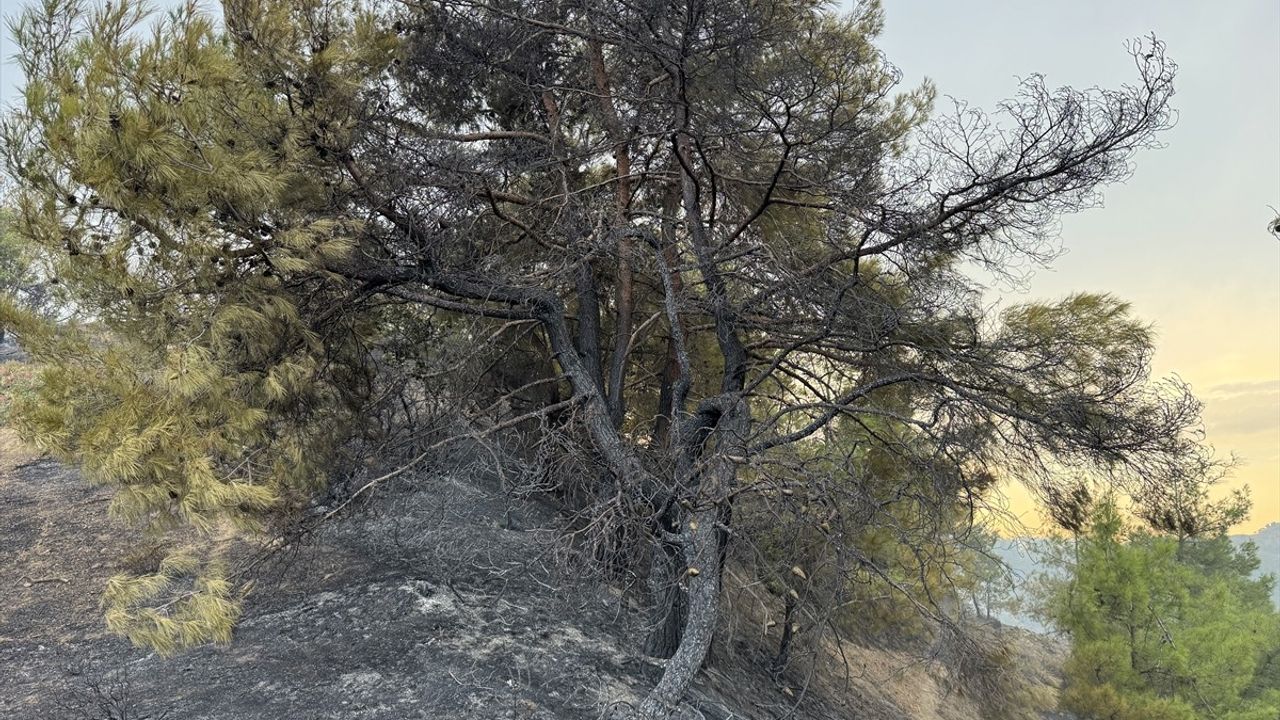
(438, 601)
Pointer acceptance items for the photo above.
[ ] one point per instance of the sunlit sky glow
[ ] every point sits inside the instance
(1185, 239)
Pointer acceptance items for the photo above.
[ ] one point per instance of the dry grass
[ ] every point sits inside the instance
(914, 681)
(12, 451)
(17, 381)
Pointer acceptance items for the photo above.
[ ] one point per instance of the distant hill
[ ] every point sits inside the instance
(1268, 542)
(1027, 557)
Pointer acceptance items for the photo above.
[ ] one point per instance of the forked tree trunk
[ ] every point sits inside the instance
(701, 535)
(702, 583)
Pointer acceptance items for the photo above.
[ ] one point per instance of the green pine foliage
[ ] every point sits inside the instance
(1166, 630)
(179, 186)
(15, 260)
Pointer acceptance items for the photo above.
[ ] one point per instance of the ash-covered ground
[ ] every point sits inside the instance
(439, 599)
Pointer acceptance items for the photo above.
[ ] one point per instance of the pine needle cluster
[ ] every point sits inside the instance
(180, 187)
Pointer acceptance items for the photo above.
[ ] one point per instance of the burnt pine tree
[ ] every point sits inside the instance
(741, 246)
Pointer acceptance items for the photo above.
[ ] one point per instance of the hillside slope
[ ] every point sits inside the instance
(439, 600)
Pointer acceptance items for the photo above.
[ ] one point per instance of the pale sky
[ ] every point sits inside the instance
(1185, 239)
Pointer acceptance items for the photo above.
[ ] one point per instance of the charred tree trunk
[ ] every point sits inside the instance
(662, 413)
(700, 537)
(702, 592)
(589, 324)
(624, 299)
(668, 610)
(708, 476)
(672, 373)
(621, 340)
(783, 658)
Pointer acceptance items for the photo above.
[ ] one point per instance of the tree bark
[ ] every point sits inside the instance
(672, 374)
(701, 553)
(662, 413)
(702, 539)
(783, 658)
(709, 478)
(589, 323)
(667, 606)
(624, 300)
